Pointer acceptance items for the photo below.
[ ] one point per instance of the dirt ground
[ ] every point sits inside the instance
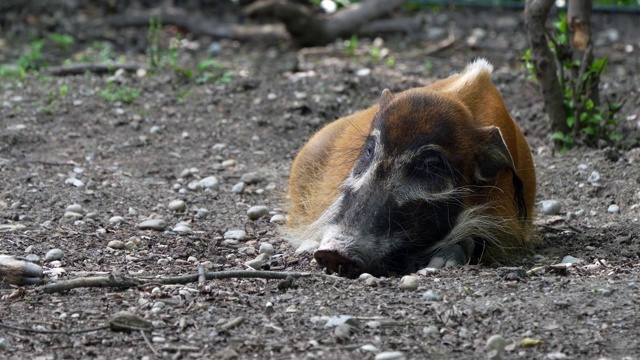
(134, 159)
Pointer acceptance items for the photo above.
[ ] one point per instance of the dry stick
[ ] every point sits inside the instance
(146, 340)
(44, 331)
(128, 282)
(79, 69)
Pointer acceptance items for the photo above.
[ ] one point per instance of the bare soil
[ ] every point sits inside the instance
(130, 158)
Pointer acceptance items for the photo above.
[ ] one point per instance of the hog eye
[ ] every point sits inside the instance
(369, 147)
(366, 157)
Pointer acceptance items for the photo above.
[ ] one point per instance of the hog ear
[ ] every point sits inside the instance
(385, 98)
(495, 156)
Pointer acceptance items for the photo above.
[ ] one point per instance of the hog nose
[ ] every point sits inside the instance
(335, 262)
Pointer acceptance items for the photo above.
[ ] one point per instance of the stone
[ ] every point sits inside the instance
(116, 220)
(613, 209)
(431, 295)
(256, 212)
(238, 188)
(75, 208)
(177, 205)
(409, 283)
(153, 224)
(210, 182)
(53, 254)
(571, 260)
(251, 178)
(116, 244)
(266, 248)
(235, 235)
(550, 207)
(278, 219)
(390, 355)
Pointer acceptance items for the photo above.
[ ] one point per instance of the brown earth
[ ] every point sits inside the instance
(130, 158)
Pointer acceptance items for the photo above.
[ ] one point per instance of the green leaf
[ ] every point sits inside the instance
(571, 121)
(589, 104)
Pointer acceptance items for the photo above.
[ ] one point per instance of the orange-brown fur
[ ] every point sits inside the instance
(327, 159)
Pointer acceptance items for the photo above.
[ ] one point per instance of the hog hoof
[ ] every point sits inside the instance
(448, 257)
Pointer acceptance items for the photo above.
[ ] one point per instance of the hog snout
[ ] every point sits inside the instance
(334, 257)
(336, 262)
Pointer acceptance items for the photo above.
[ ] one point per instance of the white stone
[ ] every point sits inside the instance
(256, 212)
(210, 182)
(235, 235)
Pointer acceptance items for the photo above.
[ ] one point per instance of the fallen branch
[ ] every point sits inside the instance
(196, 24)
(308, 29)
(100, 68)
(129, 282)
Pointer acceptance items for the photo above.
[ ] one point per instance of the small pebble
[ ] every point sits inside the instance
(153, 224)
(210, 182)
(235, 235)
(390, 355)
(163, 262)
(613, 209)
(550, 207)
(158, 339)
(229, 163)
(278, 219)
(177, 205)
(116, 244)
(75, 208)
(4, 344)
(202, 213)
(266, 248)
(75, 182)
(182, 229)
(362, 73)
(409, 283)
(238, 188)
(431, 330)
(251, 178)
(116, 220)
(365, 276)
(497, 344)
(431, 295)
(594, 177)
(570, 260)
(369, 348)
(53, 254)
(556, 356)
(256, 212)
(92, 215)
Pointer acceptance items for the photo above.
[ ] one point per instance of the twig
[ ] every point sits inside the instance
(233, 323)
(96, 68)
(128, 282)
(46, 331)
(146, 340)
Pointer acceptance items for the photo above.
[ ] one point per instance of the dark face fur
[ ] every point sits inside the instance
(403, 195)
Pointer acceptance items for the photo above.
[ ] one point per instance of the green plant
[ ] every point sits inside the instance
(427, 66)
(33, 59)
(589, 121)
(153, 46)
(212, 70)
(63, 40)
(124, 94)
(351, 45)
